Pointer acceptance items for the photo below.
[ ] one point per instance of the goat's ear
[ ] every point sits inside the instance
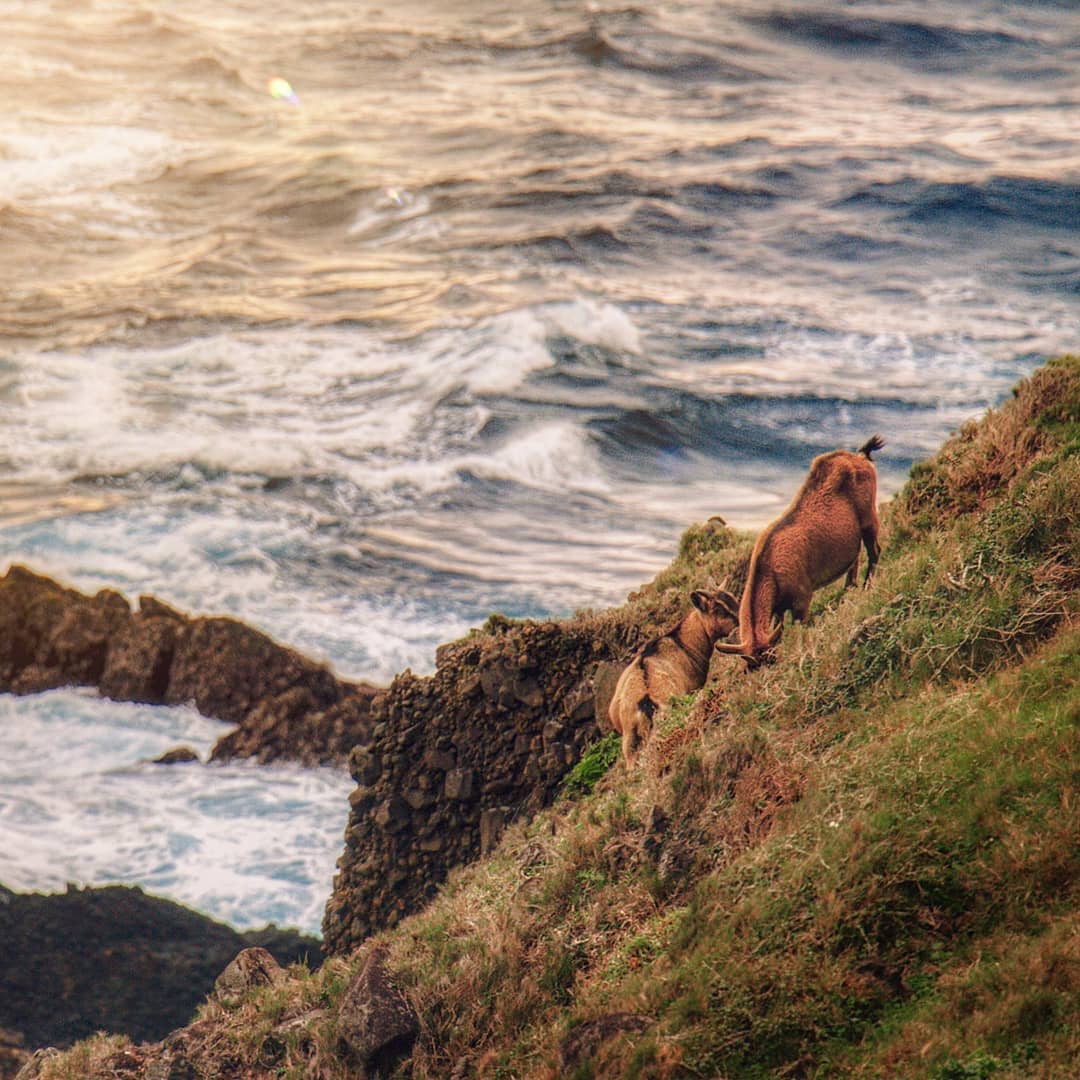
(729, 603)
(701, 600)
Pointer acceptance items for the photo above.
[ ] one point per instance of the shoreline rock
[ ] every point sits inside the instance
(115, 958)
(285, 706)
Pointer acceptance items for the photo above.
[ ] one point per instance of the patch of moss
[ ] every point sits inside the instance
(593, 766)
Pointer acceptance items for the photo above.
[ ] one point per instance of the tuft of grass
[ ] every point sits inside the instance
(593, 766)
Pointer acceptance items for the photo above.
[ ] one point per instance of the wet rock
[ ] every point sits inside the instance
(77, 646)
(287, 706)
(139, 658)
(376, 1024)
(249, 969)
(178, 755)
(227, 668)
(51, 636)
(292, 727)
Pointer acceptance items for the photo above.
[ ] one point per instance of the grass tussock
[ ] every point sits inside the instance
(863, 860)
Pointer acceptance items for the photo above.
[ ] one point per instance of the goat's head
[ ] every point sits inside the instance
(719, 611)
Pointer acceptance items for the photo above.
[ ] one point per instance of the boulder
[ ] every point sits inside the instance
(178, 755)
(286, 706)
(249, 969)
(140, 654)
(376, 1024)
(51, 636)
(584, 1042)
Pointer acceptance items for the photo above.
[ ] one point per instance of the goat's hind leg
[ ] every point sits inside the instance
(852, 572)
(873, 550)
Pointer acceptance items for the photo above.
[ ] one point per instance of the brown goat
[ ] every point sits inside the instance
(815, 541)
(673, 663)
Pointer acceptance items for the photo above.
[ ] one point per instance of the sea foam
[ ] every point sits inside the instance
(81, 802)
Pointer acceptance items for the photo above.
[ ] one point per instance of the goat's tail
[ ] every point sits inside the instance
(875, 442)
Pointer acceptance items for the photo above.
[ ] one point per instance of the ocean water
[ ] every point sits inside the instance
(478, 318)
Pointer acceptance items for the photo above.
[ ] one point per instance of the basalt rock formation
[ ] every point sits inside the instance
(455, 756)
(114, 958)
(285, 706)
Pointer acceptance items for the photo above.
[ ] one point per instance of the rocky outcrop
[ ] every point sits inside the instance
(285, 706)
(454, 757)
(115, 959)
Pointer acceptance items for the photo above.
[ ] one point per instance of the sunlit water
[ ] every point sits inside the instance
(479, 317)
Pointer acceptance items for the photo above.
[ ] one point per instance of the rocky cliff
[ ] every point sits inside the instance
(488, 738)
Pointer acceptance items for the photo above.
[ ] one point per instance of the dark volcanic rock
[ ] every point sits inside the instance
(140, 654)
(51, 636)
(376, 1024)
(178, 755)
(114, 959)
(287, 706)
(228, 669)
(251, 968)
(292, 727)
(453, 758)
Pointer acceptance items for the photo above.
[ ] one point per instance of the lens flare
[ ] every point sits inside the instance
(282, 90)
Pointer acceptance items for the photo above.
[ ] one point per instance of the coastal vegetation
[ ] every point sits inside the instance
(863, 860)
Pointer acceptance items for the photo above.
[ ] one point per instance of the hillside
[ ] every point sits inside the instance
(862, 861)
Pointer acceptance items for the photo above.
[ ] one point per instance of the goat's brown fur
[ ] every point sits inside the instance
(813, 543)
(674, 663)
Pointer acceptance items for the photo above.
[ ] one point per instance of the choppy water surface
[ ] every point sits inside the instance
(503, 297)
(245, 843)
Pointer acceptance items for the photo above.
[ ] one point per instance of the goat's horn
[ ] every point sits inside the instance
(728, 647)
(777, 630)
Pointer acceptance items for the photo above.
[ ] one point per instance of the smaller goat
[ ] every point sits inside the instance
(674, 663)
(815, 541)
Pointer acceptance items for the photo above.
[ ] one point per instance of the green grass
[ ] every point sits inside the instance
(594, 764)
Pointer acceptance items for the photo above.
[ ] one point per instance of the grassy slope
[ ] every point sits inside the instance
(863, 861)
